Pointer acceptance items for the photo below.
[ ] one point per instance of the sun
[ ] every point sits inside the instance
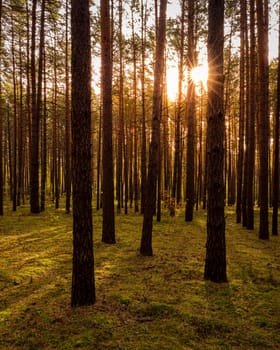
(199, 75)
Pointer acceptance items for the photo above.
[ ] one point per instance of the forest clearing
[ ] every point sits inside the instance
(159, 302)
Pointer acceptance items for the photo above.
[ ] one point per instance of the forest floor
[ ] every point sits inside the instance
(143, 303)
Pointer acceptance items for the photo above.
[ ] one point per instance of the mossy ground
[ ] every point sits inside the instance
(144, 303)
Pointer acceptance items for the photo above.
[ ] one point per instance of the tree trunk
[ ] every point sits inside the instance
(190, 192)
(35, 124)
(215, 263)
(67, 120)
(135, 138)
(143, 108)
(83, 287)
(276, 148)
(262, 22)
(150, 196)
(1, 122)
(44, 142)
(20, 131)
(108, 228)
(251, 122)
(120, 139)
(240, 165)
(15, 128)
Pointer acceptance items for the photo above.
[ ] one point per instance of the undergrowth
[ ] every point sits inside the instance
(144, 303)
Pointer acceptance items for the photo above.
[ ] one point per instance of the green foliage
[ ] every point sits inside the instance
(159, 302)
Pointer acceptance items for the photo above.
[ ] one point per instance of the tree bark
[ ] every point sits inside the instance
(1, 123)
(150, 196)
(83, 287)
(143, 108)
(275, 202)
(190, 191)
(262, 23)
(67, 121)
(108, 227)
(251, 122)
(240, 165)
(215, 263)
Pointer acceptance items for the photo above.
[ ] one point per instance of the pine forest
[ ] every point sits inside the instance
(139, 174)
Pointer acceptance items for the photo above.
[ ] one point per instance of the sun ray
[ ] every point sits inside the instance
(199, 75)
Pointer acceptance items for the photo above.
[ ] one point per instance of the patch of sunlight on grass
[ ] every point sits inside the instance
(144, 303)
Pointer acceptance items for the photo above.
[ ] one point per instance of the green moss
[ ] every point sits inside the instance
(160, 302)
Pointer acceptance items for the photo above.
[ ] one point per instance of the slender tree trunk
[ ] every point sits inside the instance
(215, 263)
(35, 124)
(251, 122)
(126, 170)
(1, 122)
(98, 196)
(262, 20)
(83, 286)
(190, 186)
(20, 131)
(135, 131)
(28, 97)
(15, 127)
(44, 140)
(67, 120)
(143, 108)
(276, 148)
(55, 130)
(159, 182)
(241, 117)
(108, 228)
(246, 121)
(120, 139)
(150, 196)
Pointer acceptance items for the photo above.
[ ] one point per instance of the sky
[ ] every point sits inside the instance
(173, 9)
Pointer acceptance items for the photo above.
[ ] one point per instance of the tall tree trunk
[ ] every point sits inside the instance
(251, 122)
(135, 133)
(215, 263)
(262, 22)
(67, 119)
(35, 124)
(240, 161)
(276, 148)
(246, 121)
(83, 287)
(143, 107)
(15, 128)
(44, 140)
(55, 130)
(1, 121)
(20, 131)
(120, 139)
(98, 196)
(108, 228)
(150, 196)
(190, 192)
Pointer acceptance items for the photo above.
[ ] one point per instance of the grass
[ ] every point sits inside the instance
(159, 302)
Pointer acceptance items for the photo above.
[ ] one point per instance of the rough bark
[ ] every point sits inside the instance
(190, 186)
(153, 168)
(108, 226)
(83, 288)
(240, 165)
(1, 124)
(215, 263)
(275, 200)
(263, 121)
(251, 122)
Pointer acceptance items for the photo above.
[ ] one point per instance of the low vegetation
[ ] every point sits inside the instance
(144, 303)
